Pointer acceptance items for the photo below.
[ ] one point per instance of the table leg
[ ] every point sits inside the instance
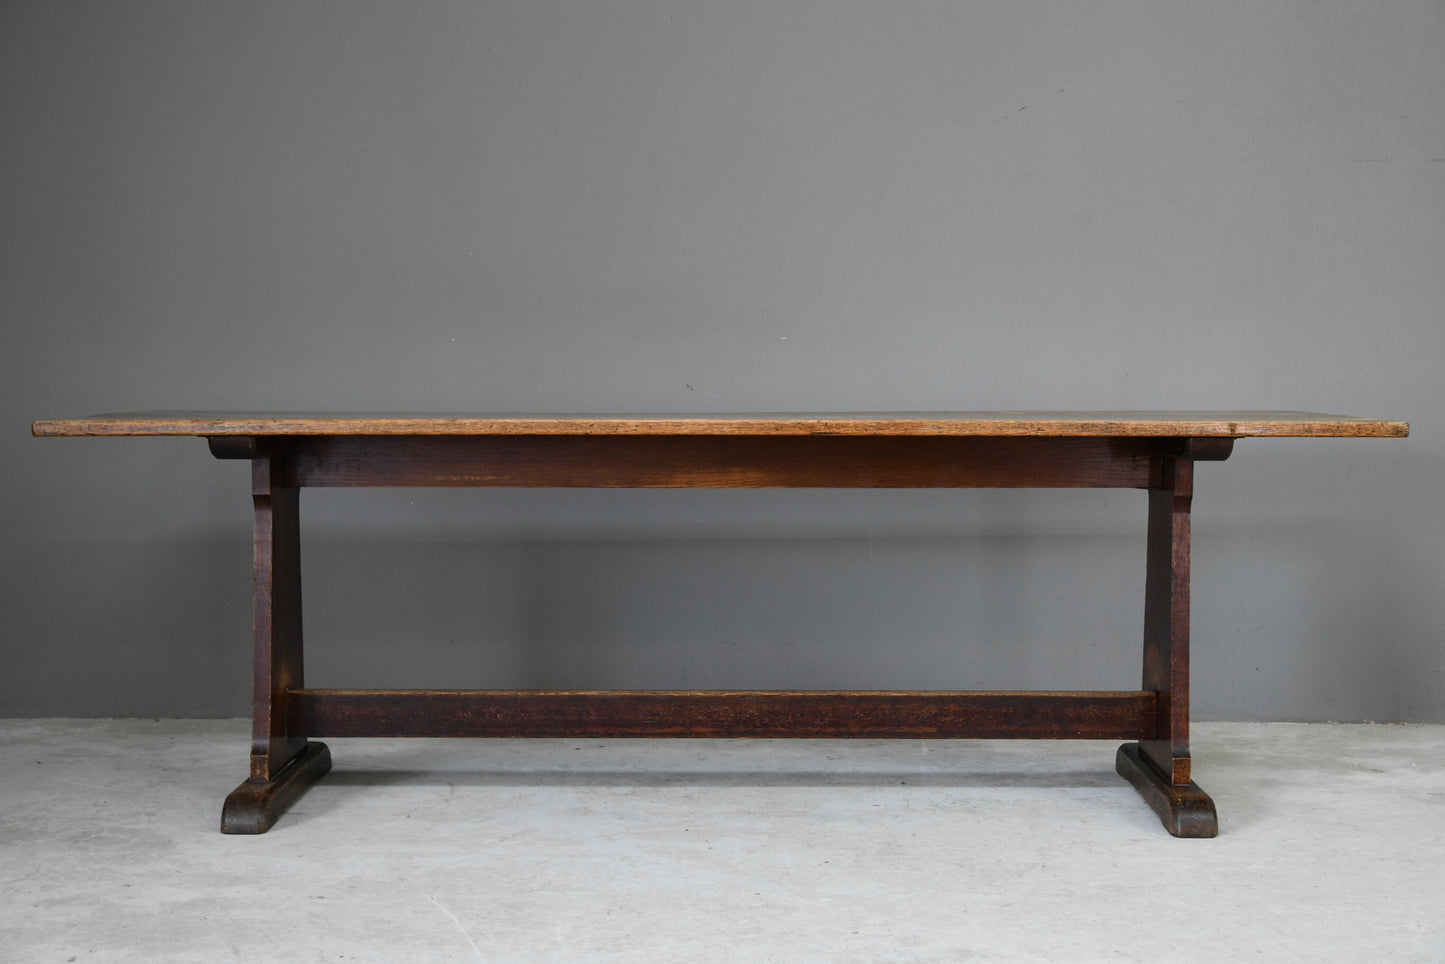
(283, 764)
(1159, 768)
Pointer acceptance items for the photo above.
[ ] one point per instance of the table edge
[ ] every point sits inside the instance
(1097, 425)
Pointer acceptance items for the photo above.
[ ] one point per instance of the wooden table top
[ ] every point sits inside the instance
(969, 424)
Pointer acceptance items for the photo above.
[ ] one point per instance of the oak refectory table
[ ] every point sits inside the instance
(1154, 451)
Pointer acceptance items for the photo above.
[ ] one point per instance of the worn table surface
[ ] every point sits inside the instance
(1222, 424)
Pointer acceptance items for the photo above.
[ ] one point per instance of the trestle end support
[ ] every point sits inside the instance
(255, 805)
(1184, 809)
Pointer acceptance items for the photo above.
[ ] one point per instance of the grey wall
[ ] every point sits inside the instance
(633, 206)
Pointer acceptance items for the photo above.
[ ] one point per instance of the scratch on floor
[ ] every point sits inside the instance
(475, 949)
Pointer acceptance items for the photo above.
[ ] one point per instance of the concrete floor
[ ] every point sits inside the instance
(1330, 848)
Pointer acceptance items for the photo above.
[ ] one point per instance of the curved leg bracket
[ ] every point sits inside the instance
(1185, 810)
(256, 804)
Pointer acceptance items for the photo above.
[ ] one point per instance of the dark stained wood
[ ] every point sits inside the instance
(1153, 450)
(712, 713)
(1227, 424)
(720, 461)
(1184, 809)
(236, 447)
(255, 805)
(277, 663)
(1166, 618)
(1205, 449)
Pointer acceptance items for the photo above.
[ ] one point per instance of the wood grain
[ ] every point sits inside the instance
(1201, 424)
(277, 662)
(1183, 808)
(723, 461)
(1166, 618)
(255, 805)
(605, 714)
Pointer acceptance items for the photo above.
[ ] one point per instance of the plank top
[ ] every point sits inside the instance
(970, 424)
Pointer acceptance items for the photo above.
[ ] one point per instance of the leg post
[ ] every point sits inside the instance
(1159, 768)
(283, 764)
